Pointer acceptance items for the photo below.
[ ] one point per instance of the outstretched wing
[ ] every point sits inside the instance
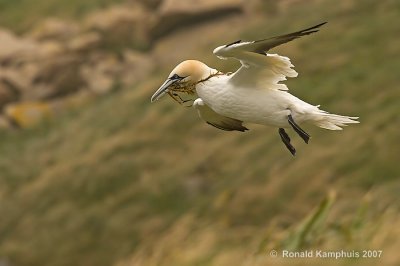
(263, 46)
(260, 69)
(214, 119)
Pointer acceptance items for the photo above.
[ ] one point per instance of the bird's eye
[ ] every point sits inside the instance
(176, 76)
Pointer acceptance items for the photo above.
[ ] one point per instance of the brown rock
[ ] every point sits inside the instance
(101, 73)
(57, 77)
(54, 29)
(121, 26)
(22, 77)
(49, 49)
(174, 14)
(14, 80)
(85, 42)
(8, 91)
(149, 3)
(12, 47)
(136, 66)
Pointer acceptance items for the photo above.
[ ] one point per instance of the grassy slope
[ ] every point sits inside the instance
(19, 15)
(123, 181)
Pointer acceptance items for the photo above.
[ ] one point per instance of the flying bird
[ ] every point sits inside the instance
(252, 94)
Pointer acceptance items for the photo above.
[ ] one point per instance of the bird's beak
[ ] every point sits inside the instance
(163, 89)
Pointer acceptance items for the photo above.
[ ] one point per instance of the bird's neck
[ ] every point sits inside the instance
(213, 73)
(190, 87)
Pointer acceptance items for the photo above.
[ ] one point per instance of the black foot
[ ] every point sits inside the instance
(286, 140)
(298, 129)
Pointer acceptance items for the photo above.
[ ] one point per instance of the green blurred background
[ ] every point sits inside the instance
(91, 173)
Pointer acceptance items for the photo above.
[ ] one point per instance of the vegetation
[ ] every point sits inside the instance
(19, 15)
(123, 182)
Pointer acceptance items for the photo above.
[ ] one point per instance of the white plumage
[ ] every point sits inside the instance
(253, 94)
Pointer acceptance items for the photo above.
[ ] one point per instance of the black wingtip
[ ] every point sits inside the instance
(236, 42)
(313, 28)
(323, 23)
(319, 25)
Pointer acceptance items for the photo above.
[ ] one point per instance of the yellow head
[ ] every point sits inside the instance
(186, 74)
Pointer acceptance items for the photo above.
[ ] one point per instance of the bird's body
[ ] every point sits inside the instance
(258, 106)
(253, 94)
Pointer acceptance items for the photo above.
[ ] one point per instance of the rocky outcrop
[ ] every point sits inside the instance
(108, 49)
(13, 48)
(84, 43)
(36, 72)
(9, 91)
(54, 29)
(57, 78)
(176, 14)
(121, 26)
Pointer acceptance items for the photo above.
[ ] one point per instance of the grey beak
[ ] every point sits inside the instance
(163, 89)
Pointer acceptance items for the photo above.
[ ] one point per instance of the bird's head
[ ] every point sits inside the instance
(186, 74)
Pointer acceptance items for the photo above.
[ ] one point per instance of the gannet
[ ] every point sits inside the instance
(252, 94)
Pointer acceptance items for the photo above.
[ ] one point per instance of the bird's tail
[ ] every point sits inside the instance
(332, 121)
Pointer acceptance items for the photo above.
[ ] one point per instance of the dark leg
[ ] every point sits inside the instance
(286, 140)
(298, 129)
